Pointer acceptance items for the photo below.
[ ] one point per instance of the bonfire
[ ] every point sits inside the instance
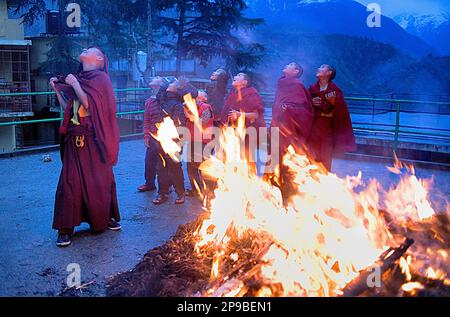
(337, 237)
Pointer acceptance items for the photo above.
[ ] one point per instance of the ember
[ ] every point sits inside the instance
(322, 244)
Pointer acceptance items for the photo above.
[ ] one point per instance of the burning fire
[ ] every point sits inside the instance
(167, 135)
(333, 229)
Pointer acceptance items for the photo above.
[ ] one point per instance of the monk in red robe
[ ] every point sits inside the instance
(293, 115)
(332, 131)
(152, 116)
(245, 100)
(199, 138)
(292, 111)
(87, 190)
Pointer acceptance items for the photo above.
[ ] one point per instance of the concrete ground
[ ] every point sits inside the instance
(32, 265)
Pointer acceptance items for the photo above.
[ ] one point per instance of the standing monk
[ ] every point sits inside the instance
(292, 111)
(293, 115)
(200, 186)
(87, 190)
(169, 171)
(152, 116)
(245, 100)
(216, 90)
(332, 129)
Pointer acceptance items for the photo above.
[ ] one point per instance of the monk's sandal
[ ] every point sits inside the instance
(114, 225)
(64, 240)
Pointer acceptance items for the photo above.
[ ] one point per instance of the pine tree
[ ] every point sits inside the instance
(205, 29)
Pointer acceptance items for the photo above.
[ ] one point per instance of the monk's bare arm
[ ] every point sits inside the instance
(61, 100)
(82, 97)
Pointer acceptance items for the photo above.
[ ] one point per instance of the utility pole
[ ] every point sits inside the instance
(61, 8)
(180, 39)
(149, 70)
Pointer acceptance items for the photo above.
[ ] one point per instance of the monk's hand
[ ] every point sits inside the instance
(72, 80)
(147, 142)
(317, 102)
(234, 115)
(52, 82)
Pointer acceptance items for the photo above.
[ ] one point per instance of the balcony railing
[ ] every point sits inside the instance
(394, 120)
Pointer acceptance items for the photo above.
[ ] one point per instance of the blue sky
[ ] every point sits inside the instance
(392, 8)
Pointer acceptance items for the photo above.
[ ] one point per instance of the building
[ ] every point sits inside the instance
(14, 75)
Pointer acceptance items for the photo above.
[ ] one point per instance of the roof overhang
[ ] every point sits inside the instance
(15, 42)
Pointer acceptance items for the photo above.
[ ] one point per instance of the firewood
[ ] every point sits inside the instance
(385, 261)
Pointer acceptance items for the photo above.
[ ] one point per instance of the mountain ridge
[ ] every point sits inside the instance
(345, 17)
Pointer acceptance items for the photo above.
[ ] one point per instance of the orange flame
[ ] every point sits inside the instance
(332, 229)
(167, 135)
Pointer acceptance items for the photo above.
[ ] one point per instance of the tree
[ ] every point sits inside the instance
(124, 27)
(205, 29)
(199, 29)
(116, 26)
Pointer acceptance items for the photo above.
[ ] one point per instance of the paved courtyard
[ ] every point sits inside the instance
(31, 264)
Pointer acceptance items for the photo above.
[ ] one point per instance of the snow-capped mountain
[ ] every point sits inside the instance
(419, 23)
(433, 29)
(345, 17)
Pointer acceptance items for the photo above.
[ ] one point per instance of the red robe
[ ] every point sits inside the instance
(332, 131)
(296, 121)
(247, 101)
(199, 136)
(152, 116)
(250, 102)
(87, 190)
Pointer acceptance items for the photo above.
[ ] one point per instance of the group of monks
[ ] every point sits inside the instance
(315, 122)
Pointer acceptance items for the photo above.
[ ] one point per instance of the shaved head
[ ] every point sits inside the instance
(242, 80)
(293, 70)
(202, 95)
(326, 71)
(93, 56)
(157, 82)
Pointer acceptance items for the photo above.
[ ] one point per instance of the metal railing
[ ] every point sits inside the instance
(437, 130)
(367, 115)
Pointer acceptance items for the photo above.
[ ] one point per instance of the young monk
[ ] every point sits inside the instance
(332, 131)
(198, 139)
(152, 116)
(245, 100)
(293, 115)
(169, 171)
(292, 111)
(217, 90)
(87, 190)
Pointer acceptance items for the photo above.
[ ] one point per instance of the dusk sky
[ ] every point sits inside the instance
(417, 7)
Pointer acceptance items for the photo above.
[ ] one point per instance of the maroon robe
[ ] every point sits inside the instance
(248, 100)
(296, 121)
(332, 131)
(87, 190)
